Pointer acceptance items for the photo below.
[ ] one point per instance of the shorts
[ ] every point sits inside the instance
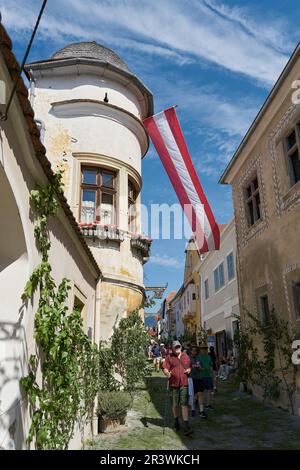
(206, 383)
(179, 396)
(197, 385)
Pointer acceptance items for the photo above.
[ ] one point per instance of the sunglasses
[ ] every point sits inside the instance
(177, 347)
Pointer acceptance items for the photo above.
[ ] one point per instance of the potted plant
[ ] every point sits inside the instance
(112, 409)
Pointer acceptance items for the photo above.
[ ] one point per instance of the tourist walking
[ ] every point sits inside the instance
(213, 357)
(157, 357)
(206, 381)
(195, 376)
(177, 367)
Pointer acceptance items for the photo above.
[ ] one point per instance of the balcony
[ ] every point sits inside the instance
(142, 244)
(102, 232)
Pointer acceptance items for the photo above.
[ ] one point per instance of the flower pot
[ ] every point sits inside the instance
(110, 424)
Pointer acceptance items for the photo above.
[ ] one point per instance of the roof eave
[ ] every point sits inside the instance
(45, 64)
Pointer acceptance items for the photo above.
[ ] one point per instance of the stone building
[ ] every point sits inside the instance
(219, 301)
(186, 303)
(166, 317)
(190, 297)
(89, 107)
(23, 167)
(265, 177)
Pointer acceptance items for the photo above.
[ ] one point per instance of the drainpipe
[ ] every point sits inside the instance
(32, 94)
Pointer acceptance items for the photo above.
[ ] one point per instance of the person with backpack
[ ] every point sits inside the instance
(177, 367)
(206, 386)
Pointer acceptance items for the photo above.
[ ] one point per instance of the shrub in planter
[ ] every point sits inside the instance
(112, 409)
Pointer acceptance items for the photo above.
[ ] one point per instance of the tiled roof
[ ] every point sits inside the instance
(91, 50)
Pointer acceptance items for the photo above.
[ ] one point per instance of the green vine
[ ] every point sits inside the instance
(269, 367)
(123, 360)
(69, 362)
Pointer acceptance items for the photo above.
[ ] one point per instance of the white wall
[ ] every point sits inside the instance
(20, 172)
(219, 310)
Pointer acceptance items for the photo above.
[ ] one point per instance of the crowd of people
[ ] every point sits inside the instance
(192, 373)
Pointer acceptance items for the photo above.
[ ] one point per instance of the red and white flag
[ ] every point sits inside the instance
(166, 135)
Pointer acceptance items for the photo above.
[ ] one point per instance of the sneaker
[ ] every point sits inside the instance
(193, 413)
(209, 407)
(203, 415)
(187, 430)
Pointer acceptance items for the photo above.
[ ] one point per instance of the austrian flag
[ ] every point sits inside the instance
(166, 135)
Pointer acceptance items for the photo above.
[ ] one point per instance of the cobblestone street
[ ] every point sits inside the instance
(239, 421)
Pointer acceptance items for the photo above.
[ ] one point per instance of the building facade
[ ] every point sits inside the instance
(186, 303)
(190, 296)
(265, 178)
(166, 317)
(219, 301)
(89, 107)
(24, 167)
(177, 308)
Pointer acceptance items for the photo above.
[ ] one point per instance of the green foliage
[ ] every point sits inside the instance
(69, 361)
(202, 336)
(125, 358)
(188, 338)
(270, 368)
(107, 380)
(113, 405)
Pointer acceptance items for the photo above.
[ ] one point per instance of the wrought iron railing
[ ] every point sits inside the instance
(102, 232)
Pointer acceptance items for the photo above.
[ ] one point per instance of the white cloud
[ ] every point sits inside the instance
(166, 261)
(180, 31)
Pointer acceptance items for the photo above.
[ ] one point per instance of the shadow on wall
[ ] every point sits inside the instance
(12, 353)
(13, 276)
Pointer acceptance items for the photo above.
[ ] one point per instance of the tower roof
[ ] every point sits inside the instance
(95, 55)
(91, 50)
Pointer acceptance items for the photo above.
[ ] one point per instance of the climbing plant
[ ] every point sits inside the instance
(270, 367)
(123, 359)
(69, 366)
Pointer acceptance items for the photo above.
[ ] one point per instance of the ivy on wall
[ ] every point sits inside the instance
(64, 393)
(123, 359)
(269, 366)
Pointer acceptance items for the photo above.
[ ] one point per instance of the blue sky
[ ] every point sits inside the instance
(216, 60)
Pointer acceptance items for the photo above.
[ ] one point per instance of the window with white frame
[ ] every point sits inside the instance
(230, 266)
(219, 277)
(206, 289)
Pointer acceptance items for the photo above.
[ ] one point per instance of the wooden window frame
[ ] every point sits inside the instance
(253, 215)
(297, 312)
(264, 314)
(132, 196)
(288, 151)
(100, 189)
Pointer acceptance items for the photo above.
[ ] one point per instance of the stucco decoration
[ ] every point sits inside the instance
(248, 233)
(282, 204)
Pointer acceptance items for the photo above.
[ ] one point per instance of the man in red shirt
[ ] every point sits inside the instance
(177, 367)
